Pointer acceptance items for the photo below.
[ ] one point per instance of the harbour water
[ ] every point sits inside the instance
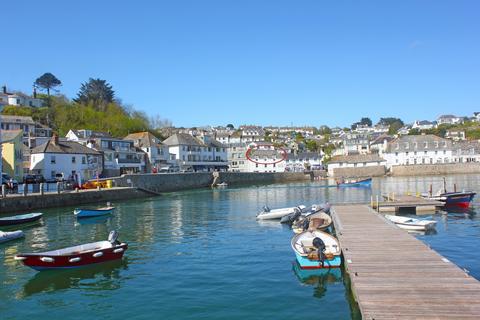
(202, 255)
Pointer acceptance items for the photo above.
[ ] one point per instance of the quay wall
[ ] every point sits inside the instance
(373, 171)
(434, 169)
(30, 202)
(168, 182)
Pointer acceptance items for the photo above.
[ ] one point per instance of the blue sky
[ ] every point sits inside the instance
(255, 62)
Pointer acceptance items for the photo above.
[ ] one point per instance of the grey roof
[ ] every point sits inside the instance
(418, 143)
(85, 133)
(64, 146)
(16, 119)
(8, 135)
(304, 155)
(381, 139)
(182, 139)
(466, 147)
(144, 139)
(357, 158)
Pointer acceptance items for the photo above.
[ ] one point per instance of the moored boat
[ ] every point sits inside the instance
(267, 213)
(408, 223)
(459, 199)
(77, 256)
(315, 221)
(85, 213)
(316, 250)
(21, 218)
(7, 236)
(355, 183)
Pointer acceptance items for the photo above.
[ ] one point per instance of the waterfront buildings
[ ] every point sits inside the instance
(355, 161)
(303, 161)
(64, 159)
(12, 153)
(197, 153)
(34, 133)
(466, 151)
(157, 153)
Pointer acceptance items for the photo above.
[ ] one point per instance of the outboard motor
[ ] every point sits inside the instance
(113, 236)
(320, 245)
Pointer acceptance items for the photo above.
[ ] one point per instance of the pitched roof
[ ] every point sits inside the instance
(144, 139)
(422, 142)
(85, 134)
(182, 139)
(357, 158)
(64, 146)
(16, 119)
(8, 135)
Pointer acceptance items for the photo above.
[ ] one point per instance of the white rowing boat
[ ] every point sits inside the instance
(408, 223)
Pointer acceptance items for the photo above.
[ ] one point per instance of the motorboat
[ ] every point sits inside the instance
(315, 221)
(290, 218)
(316, 250)
(408, 223)
(355, 183)
(7, 236)
(267, 213)
(459, 199)
(77, 256)
(86, 213)
(19, 219)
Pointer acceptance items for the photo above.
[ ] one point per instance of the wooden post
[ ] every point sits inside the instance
(393, 196)
(58, 187)
(454, 187)
(371, 201)
(431, 190)
(378, 209)
(4, 190)
(25, 189)
(41, 189)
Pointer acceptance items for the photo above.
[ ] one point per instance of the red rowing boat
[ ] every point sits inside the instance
(77, 256)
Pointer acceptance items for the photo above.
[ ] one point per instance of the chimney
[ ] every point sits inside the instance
(4, 89)
(54, 139)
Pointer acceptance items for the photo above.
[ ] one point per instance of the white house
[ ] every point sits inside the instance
(67, 158)
(455, 135)
(197, 154)
(355, 161)
(449, 119)
(419, 149)
(259, 156)
(303, 161)
(157, 152)
(379, 144)
(423, 125)
(466, 151)
(19, 99)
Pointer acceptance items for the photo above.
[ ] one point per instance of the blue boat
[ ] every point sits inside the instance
(86, 213)
(316, 250)
(355, 183)
(21, 218)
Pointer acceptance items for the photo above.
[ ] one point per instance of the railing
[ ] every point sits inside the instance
(128, 160)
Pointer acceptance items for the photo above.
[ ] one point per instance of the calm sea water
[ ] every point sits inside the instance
(202, 255)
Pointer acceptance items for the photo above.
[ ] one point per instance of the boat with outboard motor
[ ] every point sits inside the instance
(316, 250)
(355, 183)
(267, 213)
(314, 221)
(77, 256)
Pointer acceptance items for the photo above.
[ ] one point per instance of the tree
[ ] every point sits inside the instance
(389, 121)
(323, 130)
(394, 127)
(230, 126)
(366, 122)
(97, 92)
(47, 82)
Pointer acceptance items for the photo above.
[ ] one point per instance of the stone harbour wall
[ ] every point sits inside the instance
(374, 171)
(433, 169)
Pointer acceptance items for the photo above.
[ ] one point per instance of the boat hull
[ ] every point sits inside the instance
(459, 200)
(19, 219)
(7, 236)
(361, 183)
(88, 213)
(41, 262)
(305, 263)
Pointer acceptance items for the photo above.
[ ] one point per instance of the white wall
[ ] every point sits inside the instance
(42, 163)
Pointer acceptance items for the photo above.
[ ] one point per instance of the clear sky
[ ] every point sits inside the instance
(254, 61)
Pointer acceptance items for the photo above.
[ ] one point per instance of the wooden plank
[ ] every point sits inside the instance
(396, 276)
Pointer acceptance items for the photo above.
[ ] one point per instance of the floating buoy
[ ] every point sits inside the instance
(118, 250)
(97, 254)
(19, 258)
(76, 259)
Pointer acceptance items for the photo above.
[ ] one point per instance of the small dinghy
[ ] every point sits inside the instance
(315, 221)
(355, 183)
(21, 218)
(408, 223)
(7, 236)
(77, 256)
(316, 250)
(86, 213)
(278, 213)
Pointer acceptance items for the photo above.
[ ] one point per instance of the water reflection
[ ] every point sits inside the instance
(98, 277)
(92, 220)
(319, 278)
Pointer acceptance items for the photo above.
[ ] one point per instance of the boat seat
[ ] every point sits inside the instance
(315, 223)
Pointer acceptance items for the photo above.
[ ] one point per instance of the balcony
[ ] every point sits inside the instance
(128, 160)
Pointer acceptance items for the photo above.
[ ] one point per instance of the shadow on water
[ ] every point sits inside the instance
(93, 220)
(106, 276)
(319, 278)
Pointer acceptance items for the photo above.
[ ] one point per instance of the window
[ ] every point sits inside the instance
(74, 160)
(444, 151)
(52, 159)
(84, 160)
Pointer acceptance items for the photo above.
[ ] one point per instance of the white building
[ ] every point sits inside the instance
(466, 151)
(355, 161)
(303, 161)
(455, 135)
(423, 125)
(449, 119)
(379, 145)
(19, 99)
(157, 152)
(419, 149)
(197, 154)
(66, 158)
(259, 156)
(356, 144)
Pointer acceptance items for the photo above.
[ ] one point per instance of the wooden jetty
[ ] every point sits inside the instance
(396, 276)
(398, 203)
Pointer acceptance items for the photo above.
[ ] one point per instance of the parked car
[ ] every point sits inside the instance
(9, 182)
(33, 178)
